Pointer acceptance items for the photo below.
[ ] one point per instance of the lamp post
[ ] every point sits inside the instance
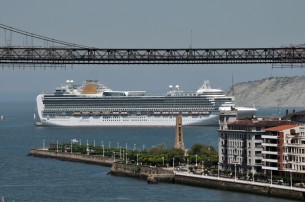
(173, 163)
(113, 157)
(137, 159)
(71, 146)
(126, 158)
(57, 146)
(253, 174)
(196, 160)
(103, 151)
(120, 152)
(126, 146)
(235, 172)
(163, 160)
(87, 149)
(271, 179)
(187, 164)
(218, 170)
(290, 180)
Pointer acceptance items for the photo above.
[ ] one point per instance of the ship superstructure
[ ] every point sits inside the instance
(94, 104)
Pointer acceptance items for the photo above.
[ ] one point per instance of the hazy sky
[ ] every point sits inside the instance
(151, 24)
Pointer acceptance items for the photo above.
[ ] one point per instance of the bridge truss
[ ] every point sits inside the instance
(72, 55)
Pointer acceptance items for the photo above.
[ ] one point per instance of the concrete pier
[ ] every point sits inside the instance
(65, 156)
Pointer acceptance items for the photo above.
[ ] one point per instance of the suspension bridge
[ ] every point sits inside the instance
(56, 52)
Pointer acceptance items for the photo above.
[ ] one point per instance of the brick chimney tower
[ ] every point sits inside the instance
(179, 141)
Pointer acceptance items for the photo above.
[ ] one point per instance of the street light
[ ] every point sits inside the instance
(120, 152)
(196, 160)
(235, 172)
(126, 146)
(163, 160)
(57, 146)
(113, 157)
(87, 149)
(71, 146)
(126, 158)
(137, 159)
(173, 163)
(218, 170)
(271, 178)
(103, 151)
(290, 180)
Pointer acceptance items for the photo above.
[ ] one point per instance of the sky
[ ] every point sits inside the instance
(150, 24)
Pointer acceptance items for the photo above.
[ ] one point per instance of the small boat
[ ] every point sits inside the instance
(2, 117)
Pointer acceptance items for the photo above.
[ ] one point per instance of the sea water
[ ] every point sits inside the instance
(25, 178)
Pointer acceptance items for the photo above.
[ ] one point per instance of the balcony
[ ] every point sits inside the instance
(269, 144)
(270, 160)
(269, 168)
(269, 137)
(270, 152)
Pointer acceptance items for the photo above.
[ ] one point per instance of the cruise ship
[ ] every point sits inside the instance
(94, 104)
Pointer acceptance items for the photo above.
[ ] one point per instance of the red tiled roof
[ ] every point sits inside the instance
(280, 128)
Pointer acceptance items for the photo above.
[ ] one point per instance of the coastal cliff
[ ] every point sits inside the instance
(270, 92)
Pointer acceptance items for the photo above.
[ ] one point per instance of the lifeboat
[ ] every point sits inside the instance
(86, 113)
(77, 113)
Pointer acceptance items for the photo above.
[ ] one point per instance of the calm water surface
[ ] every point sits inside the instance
(24, 178)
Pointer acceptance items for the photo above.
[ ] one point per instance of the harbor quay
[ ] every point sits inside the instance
(176, 175)
(75, 157)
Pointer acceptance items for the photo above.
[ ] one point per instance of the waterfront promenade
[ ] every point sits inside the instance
(168, 174)
(237, 181)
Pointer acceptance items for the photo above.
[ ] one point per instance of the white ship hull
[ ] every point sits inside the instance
(207, 120)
